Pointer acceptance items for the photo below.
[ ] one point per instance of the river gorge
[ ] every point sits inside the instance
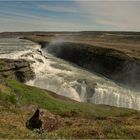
(58, 69)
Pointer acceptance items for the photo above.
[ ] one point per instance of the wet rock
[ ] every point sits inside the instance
(86, 81)
(39, 60)
(86, 87)
(43, 120)
(39, 51)
(34, 122)
(45, 57)
(16, 69)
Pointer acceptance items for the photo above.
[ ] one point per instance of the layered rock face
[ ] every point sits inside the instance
(113, 64)
(16, 69)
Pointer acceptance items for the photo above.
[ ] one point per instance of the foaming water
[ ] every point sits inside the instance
(67, 79)
(116, 96)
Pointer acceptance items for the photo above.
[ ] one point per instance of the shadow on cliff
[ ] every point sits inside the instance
(112, 64)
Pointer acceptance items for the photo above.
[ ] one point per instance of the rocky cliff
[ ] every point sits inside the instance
(16, 69)
(111, 63)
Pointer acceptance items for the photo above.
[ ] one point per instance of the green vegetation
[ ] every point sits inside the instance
(77, 120)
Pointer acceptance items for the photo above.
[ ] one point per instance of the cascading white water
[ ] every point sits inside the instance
(116, 96)
(83, 91)
(66, 79)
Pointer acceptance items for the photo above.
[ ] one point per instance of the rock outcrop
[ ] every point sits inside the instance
(43, 120)
(85, 87)
(16, 69)
(34, 122)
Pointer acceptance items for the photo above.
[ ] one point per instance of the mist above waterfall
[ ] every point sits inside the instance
(54, 46)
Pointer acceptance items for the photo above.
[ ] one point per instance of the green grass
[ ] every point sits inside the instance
(42, 99)
(78, 120)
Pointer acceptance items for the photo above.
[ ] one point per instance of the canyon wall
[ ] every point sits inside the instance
(108, 62)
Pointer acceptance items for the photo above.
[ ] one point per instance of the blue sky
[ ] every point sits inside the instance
(74, 15)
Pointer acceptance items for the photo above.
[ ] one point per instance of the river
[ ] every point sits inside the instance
(67, 79)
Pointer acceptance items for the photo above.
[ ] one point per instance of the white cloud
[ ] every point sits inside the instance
(60, 8)
(84, 15)
(119, 15)
(12, 23)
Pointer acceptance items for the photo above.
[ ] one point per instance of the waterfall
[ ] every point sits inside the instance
(83, 91)
(115, 96)
(68, 80)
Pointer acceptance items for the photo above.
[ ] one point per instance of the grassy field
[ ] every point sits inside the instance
(77, 120)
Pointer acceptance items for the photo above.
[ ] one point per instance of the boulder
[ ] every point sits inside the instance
(43, 120)
(34, 122)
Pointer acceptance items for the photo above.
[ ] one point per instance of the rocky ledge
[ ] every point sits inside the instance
(19, 70)
(43, 120)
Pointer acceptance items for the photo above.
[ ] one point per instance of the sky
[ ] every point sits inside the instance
(69, 15)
